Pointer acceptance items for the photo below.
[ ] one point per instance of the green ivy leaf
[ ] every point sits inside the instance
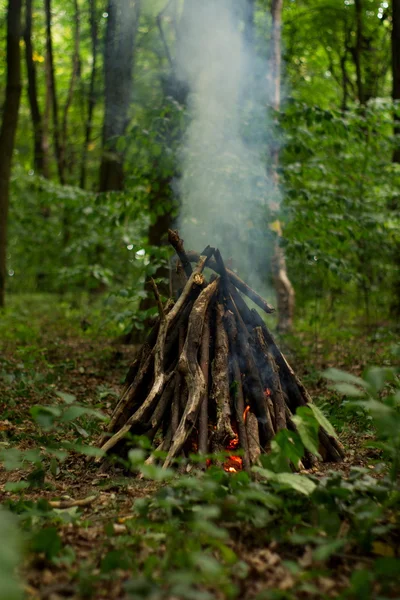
(307, 427)
(322, 420)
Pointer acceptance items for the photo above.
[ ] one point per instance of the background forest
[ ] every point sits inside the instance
(100, 144)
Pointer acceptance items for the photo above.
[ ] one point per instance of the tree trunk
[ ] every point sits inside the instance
(358, 50)
(395, 308)
(396, 74)
(92, 96)
(71, 89)
(283, 287)
(40, 162)
(122, 24)
(9, 126)
(52, 90)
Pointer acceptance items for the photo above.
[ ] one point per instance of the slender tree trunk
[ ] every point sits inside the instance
(358, 4)
(39, 152)
(122, 24)
(71, 89)
(283, 287)
(52, 90)
(396, 74)
(92, 95)
(9, 126)
(396, 153)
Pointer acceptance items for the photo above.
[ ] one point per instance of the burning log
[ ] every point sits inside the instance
(210, 375)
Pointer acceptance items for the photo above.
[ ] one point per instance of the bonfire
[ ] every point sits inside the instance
(210, 376)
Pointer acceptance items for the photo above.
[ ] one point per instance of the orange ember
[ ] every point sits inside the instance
(234, 443)
(233, 464)
(267, 392)
(246, 410)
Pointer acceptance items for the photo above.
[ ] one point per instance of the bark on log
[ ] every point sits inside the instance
(177, 243)
(253, 437)
(270, 378)
(252, 382)
(189, 367)
(160, 377)
(238, 389)
(204, 365)
(220, 385)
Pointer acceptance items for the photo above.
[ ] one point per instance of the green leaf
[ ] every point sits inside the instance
(300, 483)
(322, 420)
(81, 449)
(325, 551)
(67, 398)
(76, 411)
(16, 486)
(307, 427)
(48, 541)
(341, 376)
(156, 473)
(10, 556)
(45, 415)
(289, 444)
(347, 389)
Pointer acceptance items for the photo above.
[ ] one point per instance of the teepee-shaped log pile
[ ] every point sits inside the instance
(210, 376)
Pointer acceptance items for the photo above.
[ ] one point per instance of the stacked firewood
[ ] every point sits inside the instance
(210, 376)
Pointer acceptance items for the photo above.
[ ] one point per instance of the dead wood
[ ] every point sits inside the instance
(177, 243)
(253, 437)
(237, 386)
(252, 383)
(270, 378)
(210, 375)
(160, 377)
(204, 365)
(189, 367)
(236, 281)
(220, 385)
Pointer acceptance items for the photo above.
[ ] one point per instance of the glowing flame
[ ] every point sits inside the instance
(267, 392)
(234, 443)
(233, 464)
(246, 410)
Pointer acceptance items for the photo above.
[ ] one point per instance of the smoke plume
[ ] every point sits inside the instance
(225, 191)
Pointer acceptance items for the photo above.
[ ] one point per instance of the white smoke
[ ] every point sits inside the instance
(225, 190)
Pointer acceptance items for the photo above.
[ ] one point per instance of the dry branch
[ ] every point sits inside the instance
(160, 377)
(204, 365)
(220, 384)
(189, 367)
(248, 393)
(236, 281)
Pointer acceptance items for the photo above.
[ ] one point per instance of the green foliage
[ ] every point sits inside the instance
(341, 189)
(10, 557)
(379, 396)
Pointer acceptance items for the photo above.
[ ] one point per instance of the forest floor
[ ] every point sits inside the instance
(87, 552)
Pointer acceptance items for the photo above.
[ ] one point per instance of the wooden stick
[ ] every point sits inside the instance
(253, 437)
(188, 365)
(239, 397)
(270, 378)
(160, 377)
(220, 385)
(177, 243)
(204, 365)
(294, 390)
(161, 408)
(158, 299)
(70, 502)
(236, 281)
(252, 381)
